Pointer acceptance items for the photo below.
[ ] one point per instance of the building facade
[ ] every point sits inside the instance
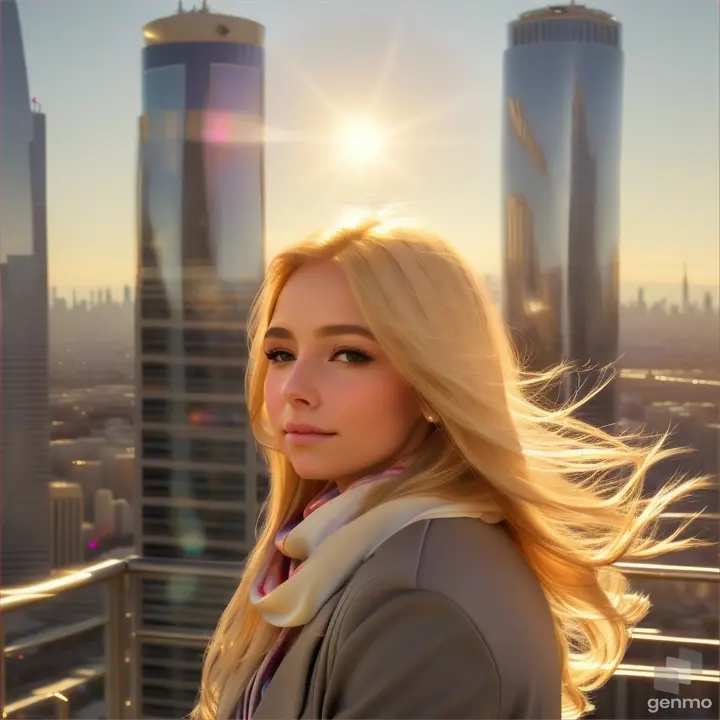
(563, 72)
(200, 263)
(66, 521)
(24, 411)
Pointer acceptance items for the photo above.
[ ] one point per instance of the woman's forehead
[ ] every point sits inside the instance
(317, 293)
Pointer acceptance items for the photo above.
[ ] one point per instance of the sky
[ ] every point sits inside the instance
(429, 72)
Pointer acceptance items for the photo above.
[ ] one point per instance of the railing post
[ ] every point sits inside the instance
(135, 674)
(2, 665)
(63, 708)
(621, 697)
(115, 670)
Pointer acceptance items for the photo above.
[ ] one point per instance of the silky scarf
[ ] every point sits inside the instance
(319, 549)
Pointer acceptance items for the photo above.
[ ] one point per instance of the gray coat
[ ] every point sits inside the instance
(445, 620)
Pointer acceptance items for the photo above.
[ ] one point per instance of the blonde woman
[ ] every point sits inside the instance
(435, 544)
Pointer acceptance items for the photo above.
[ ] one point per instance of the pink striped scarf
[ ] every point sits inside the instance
(280, 568)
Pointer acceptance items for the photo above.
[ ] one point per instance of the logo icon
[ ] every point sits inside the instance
(677, 671)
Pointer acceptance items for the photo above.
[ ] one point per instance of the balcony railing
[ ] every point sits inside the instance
(121, 698)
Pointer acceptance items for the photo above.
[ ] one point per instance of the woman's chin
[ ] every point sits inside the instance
(310, 468)
(317, 471)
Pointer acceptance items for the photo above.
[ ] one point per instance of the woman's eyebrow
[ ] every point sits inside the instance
(280, 333)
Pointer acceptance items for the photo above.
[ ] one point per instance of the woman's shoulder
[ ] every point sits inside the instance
(470, 562)
(450, 607)
(479, 571)
(473, 564)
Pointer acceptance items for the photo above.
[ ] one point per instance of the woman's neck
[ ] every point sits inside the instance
(343, 484)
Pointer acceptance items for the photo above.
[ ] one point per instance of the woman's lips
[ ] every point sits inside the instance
(307, 438)
(298, 434)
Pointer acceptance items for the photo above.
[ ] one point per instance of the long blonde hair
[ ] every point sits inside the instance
(571, 493)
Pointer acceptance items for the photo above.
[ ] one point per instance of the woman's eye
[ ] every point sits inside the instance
(279, 356)
(352, 357)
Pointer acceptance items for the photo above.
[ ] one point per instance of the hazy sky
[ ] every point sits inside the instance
(430, 71)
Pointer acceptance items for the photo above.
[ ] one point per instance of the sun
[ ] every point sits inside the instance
(362, 142)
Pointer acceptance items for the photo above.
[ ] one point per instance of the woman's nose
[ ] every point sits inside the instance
(301, 387)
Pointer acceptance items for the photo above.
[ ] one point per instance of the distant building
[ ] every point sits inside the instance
(123, 519)
(708, 304)
(200, 263)
(561, 187)
(24, 414)
(120, 474)
(686, 304)
(88, 474)
(641, 304)
(66, 525)
(104, 514)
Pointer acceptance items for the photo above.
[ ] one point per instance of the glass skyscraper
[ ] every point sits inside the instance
(561, 191)
(24, 413)
(200, 262)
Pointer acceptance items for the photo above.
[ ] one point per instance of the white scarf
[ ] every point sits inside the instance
(333, 541)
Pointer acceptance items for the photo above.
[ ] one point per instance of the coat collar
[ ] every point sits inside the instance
(285, 697)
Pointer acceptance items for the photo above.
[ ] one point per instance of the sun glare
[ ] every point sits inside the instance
(362, 142)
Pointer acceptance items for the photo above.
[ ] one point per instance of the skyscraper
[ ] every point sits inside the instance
(686, 304)
(200, 262)
(561, 190)
(24, 414)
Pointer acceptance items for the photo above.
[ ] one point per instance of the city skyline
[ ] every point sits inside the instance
(671, 292)
(447, 68)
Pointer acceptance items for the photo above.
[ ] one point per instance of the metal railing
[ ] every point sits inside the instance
(114, 574)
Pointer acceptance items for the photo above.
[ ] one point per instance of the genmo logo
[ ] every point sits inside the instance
(656, 704)
(669, 679)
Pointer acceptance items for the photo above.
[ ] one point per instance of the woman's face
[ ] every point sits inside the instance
(338, 409)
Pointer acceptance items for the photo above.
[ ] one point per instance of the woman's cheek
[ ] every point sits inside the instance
(274, 401)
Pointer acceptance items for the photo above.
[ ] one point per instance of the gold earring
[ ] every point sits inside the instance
(430, 419)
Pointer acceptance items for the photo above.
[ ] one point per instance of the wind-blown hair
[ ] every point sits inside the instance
(571, 493)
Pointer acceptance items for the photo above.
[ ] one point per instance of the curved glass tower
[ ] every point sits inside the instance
(200, 263)
(561, 193)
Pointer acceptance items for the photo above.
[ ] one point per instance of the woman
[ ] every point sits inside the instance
(435, 544)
